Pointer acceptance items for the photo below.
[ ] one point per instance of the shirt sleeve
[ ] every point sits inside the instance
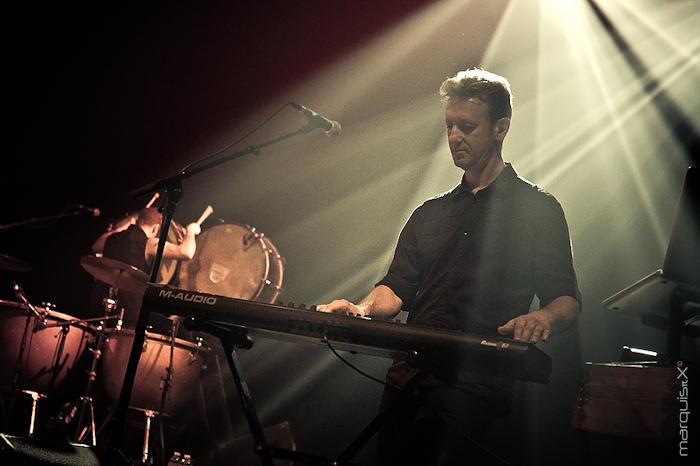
(406, 271)
(554, 270)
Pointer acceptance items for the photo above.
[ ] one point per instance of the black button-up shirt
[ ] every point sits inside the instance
(472, 262)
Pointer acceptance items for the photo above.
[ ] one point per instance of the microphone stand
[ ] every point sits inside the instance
(173, 194)
(35, 220)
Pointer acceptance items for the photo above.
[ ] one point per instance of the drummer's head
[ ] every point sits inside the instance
(149, 220)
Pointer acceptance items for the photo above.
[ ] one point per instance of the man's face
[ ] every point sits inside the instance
(473, 139)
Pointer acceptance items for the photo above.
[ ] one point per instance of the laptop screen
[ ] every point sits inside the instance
(682, 261)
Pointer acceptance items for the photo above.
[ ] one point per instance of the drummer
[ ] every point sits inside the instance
(144, 227)
(136, 245)
(133, 242)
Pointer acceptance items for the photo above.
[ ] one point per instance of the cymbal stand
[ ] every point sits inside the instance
(86, 401)
(167, 381)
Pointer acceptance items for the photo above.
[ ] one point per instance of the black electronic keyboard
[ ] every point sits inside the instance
(504, 356)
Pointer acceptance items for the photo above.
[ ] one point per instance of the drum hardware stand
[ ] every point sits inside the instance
(86, 400)
(173, 189)
(30, 311)
(149, 415)
(110, 304)
(19, 292)
(35, 399)
(167, 381)
(67, 414)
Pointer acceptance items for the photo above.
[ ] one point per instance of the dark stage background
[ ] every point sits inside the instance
(102, 100)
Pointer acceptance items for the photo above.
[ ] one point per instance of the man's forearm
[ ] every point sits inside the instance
(381, 303)
(562, 313)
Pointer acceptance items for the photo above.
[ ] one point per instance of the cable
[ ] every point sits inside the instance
(248, 134)
(356, 369)
(54, 219)
(434, 411)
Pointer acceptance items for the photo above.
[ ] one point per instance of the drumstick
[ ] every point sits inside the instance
(153, 199)
(207, 212)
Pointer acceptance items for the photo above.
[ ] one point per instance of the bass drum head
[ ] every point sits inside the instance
(235, 261)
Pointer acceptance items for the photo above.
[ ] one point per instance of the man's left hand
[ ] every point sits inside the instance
(531, 327)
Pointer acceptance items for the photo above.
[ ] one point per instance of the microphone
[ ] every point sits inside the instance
(19, 292)
(330, 127)
(94, 211)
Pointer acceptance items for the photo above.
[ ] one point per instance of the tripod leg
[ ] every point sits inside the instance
(35, 406)
(146, 436)
(247, 402)
(92, 424)
(86, 400)
(374, 425)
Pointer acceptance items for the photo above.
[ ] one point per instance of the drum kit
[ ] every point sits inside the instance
(44, 347)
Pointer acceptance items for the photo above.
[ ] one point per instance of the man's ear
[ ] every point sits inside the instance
(501, 128)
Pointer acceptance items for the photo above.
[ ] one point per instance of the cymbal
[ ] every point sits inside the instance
(116, 273)
(15, 265)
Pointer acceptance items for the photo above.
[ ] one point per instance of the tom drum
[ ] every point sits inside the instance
(38, 352)
(188, 364)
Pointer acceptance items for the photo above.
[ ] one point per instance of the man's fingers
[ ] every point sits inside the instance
(507, 328)
(525, 328)
(340, 306)
(545, 334)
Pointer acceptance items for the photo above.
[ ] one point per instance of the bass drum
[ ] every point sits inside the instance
(236, 261)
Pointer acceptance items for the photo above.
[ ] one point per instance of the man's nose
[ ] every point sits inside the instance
(454, 133)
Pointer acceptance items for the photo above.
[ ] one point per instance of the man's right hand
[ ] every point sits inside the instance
(193, 229)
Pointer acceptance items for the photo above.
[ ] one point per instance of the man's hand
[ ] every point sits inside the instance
(342, 306)
(531, 327)
(538, 325)
(193, 229)
(380, 303)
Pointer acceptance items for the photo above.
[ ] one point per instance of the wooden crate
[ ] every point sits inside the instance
(629, 400)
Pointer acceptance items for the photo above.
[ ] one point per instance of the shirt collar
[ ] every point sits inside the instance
(500, 186)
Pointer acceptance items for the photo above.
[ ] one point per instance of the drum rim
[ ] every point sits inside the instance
(131, 331)
(50, 313)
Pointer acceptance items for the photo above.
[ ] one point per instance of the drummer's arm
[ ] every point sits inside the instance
(99, 245)
(183, 251)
